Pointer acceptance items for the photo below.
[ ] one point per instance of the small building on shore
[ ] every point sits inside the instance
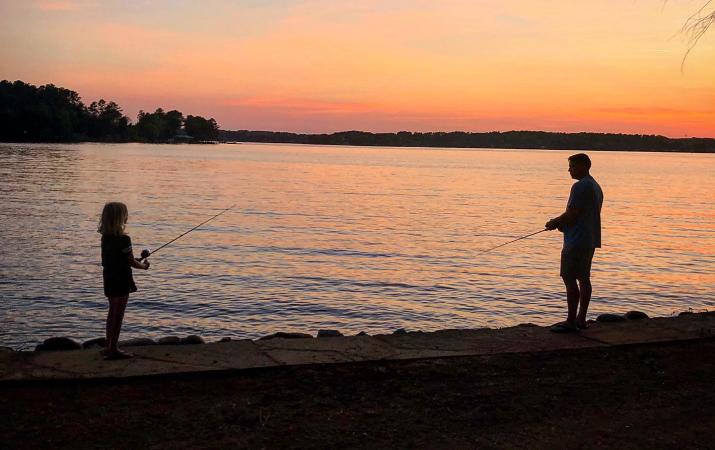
(180, 137)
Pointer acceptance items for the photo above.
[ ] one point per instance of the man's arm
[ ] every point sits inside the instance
(567, 218)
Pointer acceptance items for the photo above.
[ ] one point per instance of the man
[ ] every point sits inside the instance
(581, 225)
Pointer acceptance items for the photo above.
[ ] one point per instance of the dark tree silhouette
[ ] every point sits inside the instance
(201, 129)
(494, 139)
(158, 126)
(106, 122)
(53, 114)
(36, 114)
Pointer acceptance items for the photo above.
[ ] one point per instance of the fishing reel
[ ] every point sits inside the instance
(145, 254)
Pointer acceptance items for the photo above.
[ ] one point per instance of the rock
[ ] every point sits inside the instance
(225, 339)
(192, 340)
(4, 349)
(400, 331)
(169, 340)
(58, 343)
(284, 335)
(137, 342)
(362, 333)
(329, 333)
(606, 318)
(99, 342)
(686, 313)
(636, 315)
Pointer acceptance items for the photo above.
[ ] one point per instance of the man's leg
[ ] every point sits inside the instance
(584, 299)
(572, 299)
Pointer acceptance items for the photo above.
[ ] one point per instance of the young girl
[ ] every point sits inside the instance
(117, 260)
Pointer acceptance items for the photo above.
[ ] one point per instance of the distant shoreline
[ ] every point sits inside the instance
(51, 114)
(417, 147)
(507, 140)
(522, 140)
(236, 142)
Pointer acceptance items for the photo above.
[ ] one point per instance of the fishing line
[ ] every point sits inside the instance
(145, 253)
(518, 239)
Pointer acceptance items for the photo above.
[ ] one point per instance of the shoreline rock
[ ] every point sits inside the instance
(284, 335)
(65, 343)
(610, 318)
(329, 333)
(636, 315)
(192, 340)
(169, 340)
(137, 342)
(58, 344)
(99, 342)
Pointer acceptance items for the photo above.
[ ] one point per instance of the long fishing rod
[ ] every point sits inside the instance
(506, 243)
(145, 253)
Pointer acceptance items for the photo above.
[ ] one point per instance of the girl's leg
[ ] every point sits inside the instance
(110, 318)
(117, 306)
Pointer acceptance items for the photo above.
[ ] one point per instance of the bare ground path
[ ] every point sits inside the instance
(657, 395)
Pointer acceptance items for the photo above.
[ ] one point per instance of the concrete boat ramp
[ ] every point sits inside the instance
(157, 360)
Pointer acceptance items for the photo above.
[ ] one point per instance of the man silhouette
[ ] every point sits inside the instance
(581, 225)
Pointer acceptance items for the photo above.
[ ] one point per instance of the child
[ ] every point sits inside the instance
(117, 260)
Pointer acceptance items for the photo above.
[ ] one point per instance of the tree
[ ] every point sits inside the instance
(157, 126)
(105, 122)
(173, 121)
(39, 114)
(201, 129)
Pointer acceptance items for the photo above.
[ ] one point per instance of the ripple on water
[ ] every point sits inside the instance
(355, 239)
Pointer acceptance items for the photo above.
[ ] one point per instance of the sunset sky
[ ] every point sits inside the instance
(330, 65)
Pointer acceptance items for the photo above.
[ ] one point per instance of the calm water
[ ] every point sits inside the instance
(354, 239)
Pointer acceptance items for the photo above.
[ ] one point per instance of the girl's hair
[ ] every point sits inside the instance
(114, 216)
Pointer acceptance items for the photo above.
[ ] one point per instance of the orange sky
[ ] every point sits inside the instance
(328, 65)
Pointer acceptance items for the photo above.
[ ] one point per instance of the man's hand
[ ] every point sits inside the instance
(552, 224)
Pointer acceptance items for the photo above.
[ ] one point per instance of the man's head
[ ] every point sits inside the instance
(579, 165)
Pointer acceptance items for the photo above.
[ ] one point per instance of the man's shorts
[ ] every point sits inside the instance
(576, 262)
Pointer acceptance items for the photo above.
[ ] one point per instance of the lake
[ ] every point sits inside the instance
(348, 238)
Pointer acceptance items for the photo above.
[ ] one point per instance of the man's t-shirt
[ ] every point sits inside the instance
(587, 197)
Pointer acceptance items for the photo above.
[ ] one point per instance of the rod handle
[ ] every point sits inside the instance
(144, 255)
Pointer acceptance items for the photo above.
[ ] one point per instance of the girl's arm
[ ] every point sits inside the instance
(137, 264)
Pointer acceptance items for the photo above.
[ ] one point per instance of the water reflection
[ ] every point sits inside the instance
(352, 238)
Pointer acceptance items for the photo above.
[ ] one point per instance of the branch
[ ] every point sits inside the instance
(696, 26)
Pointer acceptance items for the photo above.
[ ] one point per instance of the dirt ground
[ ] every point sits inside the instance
(646, 396)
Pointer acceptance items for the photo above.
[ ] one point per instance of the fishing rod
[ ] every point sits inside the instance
(506, 243)
(145, 253)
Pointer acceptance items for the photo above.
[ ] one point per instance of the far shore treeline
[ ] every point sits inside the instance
(494, 139)
(53, 114)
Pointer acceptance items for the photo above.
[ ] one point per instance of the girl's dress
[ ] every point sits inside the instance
(117, 273)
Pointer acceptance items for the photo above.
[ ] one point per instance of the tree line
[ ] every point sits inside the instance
(494, 139)
(54, 114)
